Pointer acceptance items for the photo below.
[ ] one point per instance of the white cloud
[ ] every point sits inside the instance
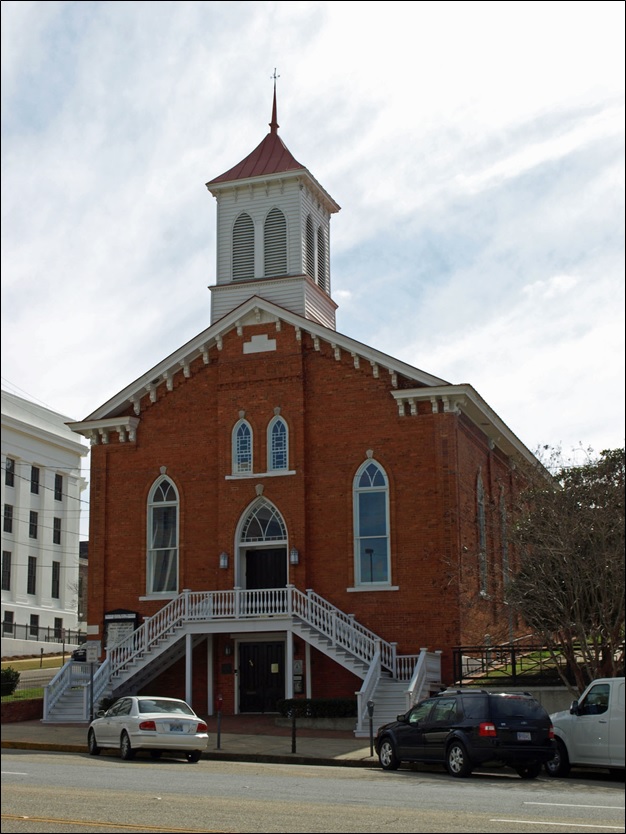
(476, 149)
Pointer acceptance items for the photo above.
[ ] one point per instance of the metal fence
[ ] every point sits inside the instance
(42, 634)
(512, 664)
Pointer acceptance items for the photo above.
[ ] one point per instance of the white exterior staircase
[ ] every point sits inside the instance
(392, 682)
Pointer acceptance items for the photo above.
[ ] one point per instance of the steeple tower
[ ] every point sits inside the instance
(273, 233)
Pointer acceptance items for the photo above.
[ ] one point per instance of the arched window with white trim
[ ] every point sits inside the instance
(162, 564)
(277, 445)
(242, 448)
(371, 525)
(275, 243)
(243, 248)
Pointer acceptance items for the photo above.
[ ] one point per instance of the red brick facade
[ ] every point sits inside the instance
(335, 413)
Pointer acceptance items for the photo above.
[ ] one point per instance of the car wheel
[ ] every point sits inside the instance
(194, 756)
(387, 755)
(559, 764)
(529, 771)
(458, 762)
(92, 744)
(126, 751)
(155, 754)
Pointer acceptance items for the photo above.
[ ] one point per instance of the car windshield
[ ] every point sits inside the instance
(513, 706)
(158, 705)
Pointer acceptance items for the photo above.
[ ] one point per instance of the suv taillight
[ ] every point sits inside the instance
(487, 729)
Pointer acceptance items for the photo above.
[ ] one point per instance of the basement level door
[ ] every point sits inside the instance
(266, 568)
(261, 676)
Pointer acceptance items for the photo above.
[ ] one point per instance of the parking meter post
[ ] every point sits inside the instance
(219, 721)
(293, 731)
(370, 712)
(41, 659)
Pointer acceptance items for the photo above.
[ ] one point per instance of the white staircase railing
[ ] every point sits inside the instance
(342, 631)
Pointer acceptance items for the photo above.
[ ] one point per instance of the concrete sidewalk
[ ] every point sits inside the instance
(240, 738)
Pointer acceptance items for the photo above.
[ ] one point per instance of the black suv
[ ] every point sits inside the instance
(465, 728)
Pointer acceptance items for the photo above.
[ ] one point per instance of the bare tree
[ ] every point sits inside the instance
(569, 536)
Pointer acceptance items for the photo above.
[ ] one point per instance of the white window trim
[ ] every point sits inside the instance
(150, 594)
(369, 586)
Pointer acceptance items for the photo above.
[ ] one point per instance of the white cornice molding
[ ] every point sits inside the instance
(99, 431)
(253, 310)
(298, 175)
(457, 399)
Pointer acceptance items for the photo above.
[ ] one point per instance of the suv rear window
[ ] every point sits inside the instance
(509, 706)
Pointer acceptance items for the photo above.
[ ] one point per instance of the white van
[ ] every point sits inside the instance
(591, 732)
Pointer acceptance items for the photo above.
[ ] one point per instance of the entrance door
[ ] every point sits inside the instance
(261, 676)
(266, 568)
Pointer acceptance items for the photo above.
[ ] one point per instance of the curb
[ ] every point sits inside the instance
(255, 758)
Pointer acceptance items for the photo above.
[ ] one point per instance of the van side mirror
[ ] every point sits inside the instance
(574, 708)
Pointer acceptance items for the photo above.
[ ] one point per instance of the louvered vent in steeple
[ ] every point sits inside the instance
(275, 243)
(310, 248)
(243, 248)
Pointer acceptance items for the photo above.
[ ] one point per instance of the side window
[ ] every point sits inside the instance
(243, 248)
(275, 243)
(9, 472)
(420, 711)
(482, 533)
(371, 525)
(162, 567)
(444, 711)
(277, 445)
(242, 448)
(597, 700)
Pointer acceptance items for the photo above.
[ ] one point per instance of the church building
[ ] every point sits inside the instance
(279, 510)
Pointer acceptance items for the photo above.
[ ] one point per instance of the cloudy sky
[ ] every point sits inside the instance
(476, 150)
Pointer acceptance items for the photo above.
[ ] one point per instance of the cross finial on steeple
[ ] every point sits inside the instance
(274, 123)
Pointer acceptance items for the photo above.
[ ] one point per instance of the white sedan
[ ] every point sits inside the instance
(141, 722)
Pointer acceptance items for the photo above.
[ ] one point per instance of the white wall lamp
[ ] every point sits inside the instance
(294, 556)
(223, 560)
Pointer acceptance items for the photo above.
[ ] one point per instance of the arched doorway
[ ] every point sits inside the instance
(262, 547)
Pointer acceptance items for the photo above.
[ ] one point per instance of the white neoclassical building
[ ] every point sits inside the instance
(41, 499)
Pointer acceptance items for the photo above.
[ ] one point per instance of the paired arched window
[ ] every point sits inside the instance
(162, 565)
(243, 248)
(242, 447)
(275, 243)
(277, 445)
(371, 525)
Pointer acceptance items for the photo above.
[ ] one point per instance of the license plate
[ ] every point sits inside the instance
(176, 727)
(523, 737)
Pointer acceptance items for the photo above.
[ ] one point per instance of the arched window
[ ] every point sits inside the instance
(277, 445)
(482, 534)
(371, 525)
(243, 248)
(275, 243)
(242, 447)
(162, 567)
(322, 266)
(309, 254)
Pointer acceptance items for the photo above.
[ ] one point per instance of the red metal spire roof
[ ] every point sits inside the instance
(270, 157)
